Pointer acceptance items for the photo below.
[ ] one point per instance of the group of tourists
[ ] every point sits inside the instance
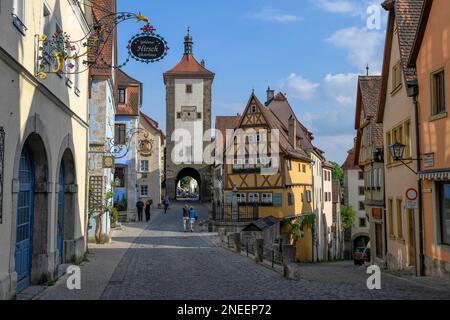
(141, 207)
(190, 215)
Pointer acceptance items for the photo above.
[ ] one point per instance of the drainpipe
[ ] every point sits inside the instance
(414, 92)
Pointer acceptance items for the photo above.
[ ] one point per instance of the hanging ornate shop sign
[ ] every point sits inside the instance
(108, 162)
(147, 47)
(2, 167)
(142, 144)
(58, 53)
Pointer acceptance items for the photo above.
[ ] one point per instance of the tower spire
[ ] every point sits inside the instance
(188, 42)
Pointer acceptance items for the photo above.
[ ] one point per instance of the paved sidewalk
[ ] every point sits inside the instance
(96, 274)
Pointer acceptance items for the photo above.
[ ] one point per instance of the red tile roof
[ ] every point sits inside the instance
(274, 123)
(408, 13)
(188, 66)
(282, 109)
(150, 121)
(370, 94)
(227, 122)
(349, 163)
(124, 79)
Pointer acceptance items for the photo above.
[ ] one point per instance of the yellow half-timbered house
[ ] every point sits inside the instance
(265, 166)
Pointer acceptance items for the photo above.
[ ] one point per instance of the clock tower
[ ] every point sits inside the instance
(188, 116)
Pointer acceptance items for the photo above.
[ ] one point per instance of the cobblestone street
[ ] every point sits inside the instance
(160, 262)
(165, 263)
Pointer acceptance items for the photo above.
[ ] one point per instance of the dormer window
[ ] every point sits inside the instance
(254, 109)
(122, 95)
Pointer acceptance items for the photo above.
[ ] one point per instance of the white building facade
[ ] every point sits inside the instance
(327, 218)
(43, 174)
(354, 196)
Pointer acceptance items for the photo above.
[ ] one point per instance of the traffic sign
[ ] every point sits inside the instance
(412, 194)
(412, 204)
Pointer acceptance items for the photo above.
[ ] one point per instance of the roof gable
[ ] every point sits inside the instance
(367, 100)
(269, 120)
(253, 114)
(282, 109)
(406, 14)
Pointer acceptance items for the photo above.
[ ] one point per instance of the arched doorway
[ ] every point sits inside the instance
(24, 228)
(188, 185)
(66, 206)
(32, 213)
(360, 241)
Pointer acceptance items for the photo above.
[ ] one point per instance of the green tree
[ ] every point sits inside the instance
(299, 225)
(185, 182)
(348, 217)
(338, 173)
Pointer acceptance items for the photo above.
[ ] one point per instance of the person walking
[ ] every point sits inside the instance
(185, 217)
(193, 216)
(148, 208)
(140, 207)
(166, 204)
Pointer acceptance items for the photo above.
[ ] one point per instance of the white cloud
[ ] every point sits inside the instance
(338, 6)
(301, 88)
(335, 146)
(348, 7)
(341, 87)
(275, 15)
(363, 46)
(345, 100)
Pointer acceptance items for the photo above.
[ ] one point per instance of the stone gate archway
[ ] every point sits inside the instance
(194, 174)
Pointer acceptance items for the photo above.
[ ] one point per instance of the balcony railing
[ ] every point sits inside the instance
(245, 213)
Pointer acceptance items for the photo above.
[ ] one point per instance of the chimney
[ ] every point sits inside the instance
(270, 94)
(202, 63)
(292, 130)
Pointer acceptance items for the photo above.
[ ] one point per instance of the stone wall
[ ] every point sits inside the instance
(437, 268)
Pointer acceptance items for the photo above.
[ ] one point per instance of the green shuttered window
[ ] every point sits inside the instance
(277, 199)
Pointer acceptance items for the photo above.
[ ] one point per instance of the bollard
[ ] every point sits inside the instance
(273, 257)
(259, 250)
(221, 233)
(288, 254)
(237, 242)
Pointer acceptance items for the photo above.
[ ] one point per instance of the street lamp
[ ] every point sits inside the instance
(397, 151)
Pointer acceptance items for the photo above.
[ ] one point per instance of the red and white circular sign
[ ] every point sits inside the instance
(412, 194)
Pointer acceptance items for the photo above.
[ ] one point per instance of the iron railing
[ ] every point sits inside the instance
(244, 213)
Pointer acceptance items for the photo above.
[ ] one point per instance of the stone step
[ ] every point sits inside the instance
(123, 217)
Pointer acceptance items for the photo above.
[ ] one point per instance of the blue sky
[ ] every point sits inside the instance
(312, 50)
